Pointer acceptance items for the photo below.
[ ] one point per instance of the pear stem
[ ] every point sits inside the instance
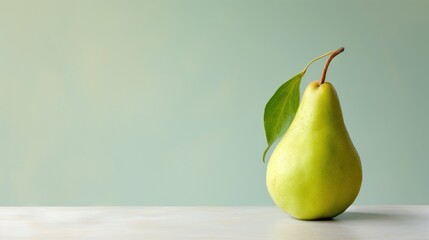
(325, 68)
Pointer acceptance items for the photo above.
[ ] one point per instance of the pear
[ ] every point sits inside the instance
(315, 171)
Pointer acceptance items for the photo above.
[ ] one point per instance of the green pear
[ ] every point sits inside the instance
(315, 171)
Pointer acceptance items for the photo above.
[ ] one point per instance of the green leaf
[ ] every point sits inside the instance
(282, 106)
(280, 110)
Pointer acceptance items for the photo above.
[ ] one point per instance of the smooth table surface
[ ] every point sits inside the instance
(358, 222)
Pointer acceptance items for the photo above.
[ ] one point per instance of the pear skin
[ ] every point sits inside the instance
(315, 171)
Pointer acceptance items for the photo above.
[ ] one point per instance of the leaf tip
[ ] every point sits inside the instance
(265, 153)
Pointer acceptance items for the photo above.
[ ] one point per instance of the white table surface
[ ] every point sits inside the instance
(152, 223)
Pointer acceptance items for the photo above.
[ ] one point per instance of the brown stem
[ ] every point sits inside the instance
(325, 68)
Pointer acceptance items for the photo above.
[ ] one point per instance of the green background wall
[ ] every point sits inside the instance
(161, 102)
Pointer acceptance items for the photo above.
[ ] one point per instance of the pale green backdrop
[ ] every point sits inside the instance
(161, 102)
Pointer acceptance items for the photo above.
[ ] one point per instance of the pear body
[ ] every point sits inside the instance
(315, 171)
